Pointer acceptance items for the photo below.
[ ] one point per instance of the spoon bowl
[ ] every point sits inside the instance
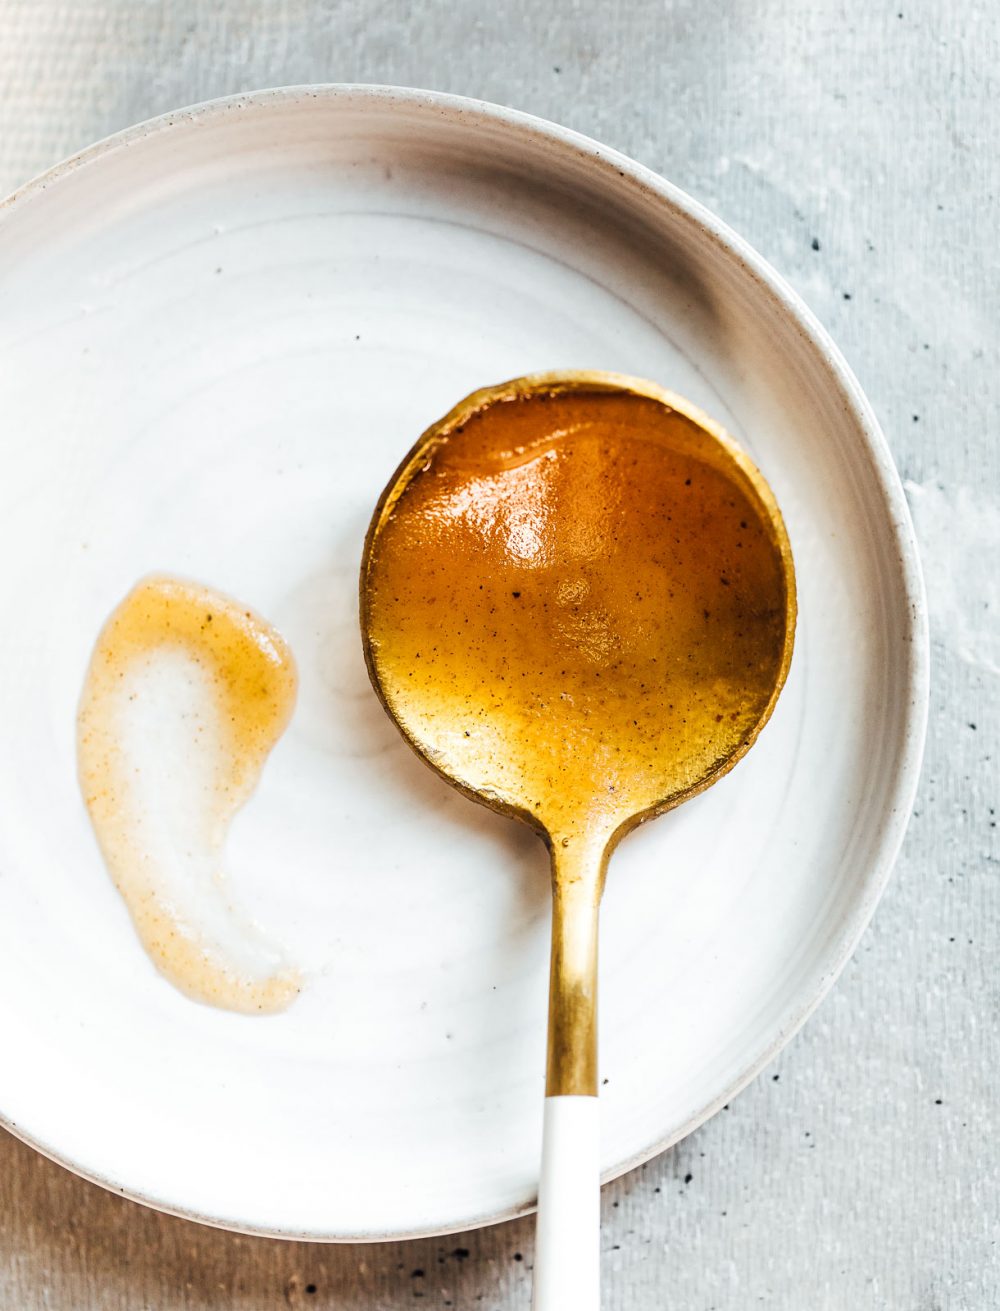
(578, 606)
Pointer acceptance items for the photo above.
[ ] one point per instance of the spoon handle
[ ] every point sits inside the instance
(568, 1230)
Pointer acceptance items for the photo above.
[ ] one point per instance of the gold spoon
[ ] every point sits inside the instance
(578, 606)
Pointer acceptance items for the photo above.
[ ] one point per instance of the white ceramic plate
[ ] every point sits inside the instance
(219, 332)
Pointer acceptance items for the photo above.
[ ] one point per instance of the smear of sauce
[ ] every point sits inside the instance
(186, 694)
(580, 603)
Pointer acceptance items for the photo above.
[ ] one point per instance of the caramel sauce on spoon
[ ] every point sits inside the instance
(577, 606)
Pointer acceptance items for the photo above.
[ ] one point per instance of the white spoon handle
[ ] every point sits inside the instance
(568, 1229)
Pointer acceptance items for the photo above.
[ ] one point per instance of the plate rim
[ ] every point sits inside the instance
(915, 680)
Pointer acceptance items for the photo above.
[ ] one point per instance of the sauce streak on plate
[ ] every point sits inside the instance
(186, 694)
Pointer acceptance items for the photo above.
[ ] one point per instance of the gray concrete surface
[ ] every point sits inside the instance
(855, 143)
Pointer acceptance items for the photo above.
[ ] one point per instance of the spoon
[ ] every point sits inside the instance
(578, 606)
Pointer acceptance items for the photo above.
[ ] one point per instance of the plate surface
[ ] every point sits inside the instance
(219, 332)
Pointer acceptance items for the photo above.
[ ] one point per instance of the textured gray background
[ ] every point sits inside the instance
(855, 144)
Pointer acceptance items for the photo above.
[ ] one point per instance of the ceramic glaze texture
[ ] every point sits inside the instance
(219, 340)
